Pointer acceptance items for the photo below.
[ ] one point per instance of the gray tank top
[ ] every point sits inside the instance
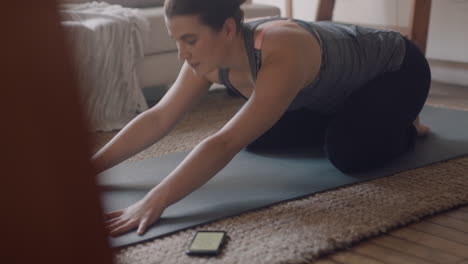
(351, 56)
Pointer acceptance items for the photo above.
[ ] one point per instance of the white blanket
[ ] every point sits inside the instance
(108, 41)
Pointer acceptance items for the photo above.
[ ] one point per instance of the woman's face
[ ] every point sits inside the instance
(198, 44)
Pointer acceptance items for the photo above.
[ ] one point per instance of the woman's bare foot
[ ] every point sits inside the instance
(422, 129)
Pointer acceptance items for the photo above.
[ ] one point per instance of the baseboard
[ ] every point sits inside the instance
(449, 72)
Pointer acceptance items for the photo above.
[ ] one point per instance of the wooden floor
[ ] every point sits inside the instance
(439, 239)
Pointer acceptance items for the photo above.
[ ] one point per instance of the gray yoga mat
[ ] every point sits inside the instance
(253, 181)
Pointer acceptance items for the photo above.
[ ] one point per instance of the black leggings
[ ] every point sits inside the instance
(374, 125)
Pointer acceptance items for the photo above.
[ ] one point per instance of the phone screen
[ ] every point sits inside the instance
(207, 242)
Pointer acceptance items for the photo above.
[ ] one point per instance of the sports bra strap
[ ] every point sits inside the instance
(259, 38)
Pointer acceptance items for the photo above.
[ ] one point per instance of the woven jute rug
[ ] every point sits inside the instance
(299, 231)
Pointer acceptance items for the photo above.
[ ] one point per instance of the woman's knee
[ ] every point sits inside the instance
(346, 160)
(357, 152)
(351, 152)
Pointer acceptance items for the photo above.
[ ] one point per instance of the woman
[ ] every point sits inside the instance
(355, 91)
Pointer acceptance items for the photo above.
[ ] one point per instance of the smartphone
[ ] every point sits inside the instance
(206, 243)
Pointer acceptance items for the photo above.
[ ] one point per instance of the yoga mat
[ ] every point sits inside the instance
(252, 181)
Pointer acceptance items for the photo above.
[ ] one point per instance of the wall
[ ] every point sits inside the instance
(447, 37)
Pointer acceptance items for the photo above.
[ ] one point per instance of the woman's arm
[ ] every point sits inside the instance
(278, 83)
(155, 123)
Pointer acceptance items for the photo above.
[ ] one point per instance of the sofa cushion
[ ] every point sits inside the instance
(124, 3)
(135, 3)
(159, 41)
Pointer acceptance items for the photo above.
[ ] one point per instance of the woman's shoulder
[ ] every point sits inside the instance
(290, 41)
(285, 36)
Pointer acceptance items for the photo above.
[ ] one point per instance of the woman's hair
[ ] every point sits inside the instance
(212, 12)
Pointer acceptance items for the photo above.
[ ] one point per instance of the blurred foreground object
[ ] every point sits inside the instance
(50, 205)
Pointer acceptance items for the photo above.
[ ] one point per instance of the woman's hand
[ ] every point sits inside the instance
(141, 215)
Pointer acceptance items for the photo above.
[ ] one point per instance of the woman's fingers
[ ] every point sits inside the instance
(115, 224)
(143, 225)
(148, 220)
(123, 227)
(119, 226)
(112, 221)
(140, 215)
(113, 214)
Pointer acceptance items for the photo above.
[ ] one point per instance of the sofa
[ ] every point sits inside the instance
(160, 65)
(125, 59)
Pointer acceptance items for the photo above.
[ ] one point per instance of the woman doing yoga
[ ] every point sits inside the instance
(356, 92)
